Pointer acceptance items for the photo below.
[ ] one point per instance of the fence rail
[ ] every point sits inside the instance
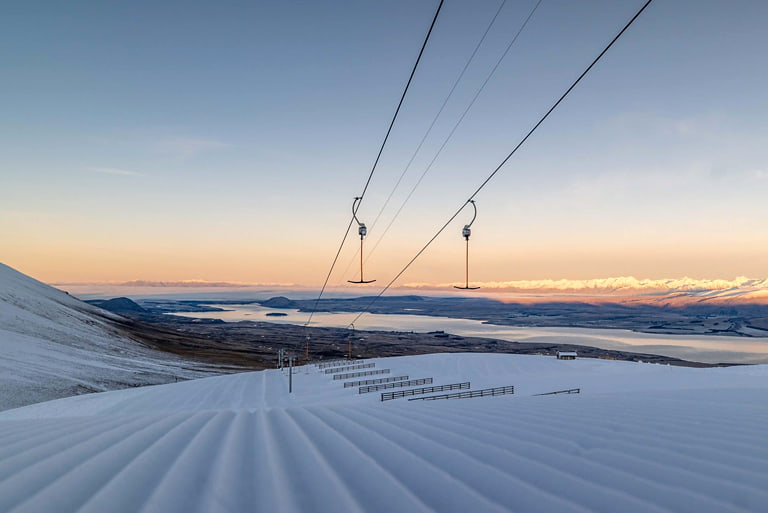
(329, 363)
(388, 396)
(373, 381)
(569, 391)
(336, 363)
(411, 383)
(360, 374)
(467, 395)
(334, 370)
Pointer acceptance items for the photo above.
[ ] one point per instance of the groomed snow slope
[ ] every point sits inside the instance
(54, 345)
(638, 438)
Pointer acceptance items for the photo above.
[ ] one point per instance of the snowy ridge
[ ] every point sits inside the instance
(626, 285)
(639, 438)
(54, 345)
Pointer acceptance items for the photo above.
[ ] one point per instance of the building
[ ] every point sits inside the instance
(566, 355)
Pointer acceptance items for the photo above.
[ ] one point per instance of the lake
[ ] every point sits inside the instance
(701, 348)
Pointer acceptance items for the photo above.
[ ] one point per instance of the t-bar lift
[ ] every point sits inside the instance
(362, 231)
(466, 232)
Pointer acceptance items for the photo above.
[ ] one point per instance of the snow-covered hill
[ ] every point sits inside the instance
(637, 438)
(54, 345)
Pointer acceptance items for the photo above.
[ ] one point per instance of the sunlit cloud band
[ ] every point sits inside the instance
(622, 284)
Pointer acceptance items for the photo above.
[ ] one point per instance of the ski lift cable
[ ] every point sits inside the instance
(373, 169)
(455, 127)
(503, 162)
(400, 103)
(439, 112)
(450, 135)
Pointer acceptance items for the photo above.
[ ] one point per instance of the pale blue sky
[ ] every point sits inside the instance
(226, 140)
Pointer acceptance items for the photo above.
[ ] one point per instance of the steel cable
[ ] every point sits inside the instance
(375, 163)
(496, 170)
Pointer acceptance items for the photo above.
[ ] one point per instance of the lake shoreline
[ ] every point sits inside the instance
(687, 347)
(743, 321)
(244, 342)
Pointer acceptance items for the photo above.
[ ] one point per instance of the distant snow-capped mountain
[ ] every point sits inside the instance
(740, 290)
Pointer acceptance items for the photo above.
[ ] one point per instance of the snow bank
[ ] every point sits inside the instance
(54, 345)
(638, 438)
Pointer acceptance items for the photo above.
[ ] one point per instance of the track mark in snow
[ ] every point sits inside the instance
(312, 478)
(365, 477)
(190, 470)
(707, 480)
(713, 494)
(142, 469)
(534, 490)
(47, 484)
(439, 487)
(238, 475)
(52, 443)
(547, 466)
(241, 443)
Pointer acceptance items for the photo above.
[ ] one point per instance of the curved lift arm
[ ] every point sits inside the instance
(362, 231)
(466, 232)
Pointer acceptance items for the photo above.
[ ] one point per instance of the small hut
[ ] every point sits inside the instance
(566, 355)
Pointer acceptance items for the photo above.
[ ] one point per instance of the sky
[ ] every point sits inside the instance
(225, 141)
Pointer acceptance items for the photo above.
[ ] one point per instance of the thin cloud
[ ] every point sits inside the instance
(113, 171)
(186, 147)
(182, 283)
(622, 284)
(177, 284)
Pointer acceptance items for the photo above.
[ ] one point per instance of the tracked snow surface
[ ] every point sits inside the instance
(54, 345)
(637, 438)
